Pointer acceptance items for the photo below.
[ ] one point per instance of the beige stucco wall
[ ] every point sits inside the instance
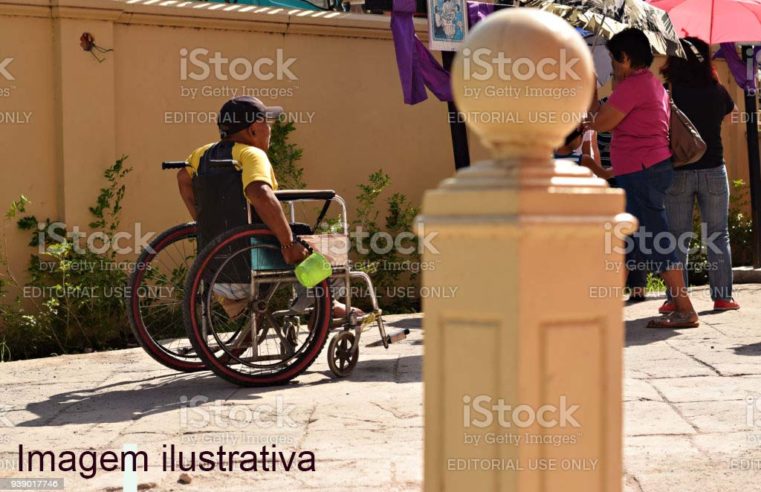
(83, 114)
(351, 119)
(733, 135)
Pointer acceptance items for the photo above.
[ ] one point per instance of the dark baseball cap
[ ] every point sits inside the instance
(240, 112)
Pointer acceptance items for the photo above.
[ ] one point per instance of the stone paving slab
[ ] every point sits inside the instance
(365, 431)
(709, 440)
(642, 418)
(692, 421)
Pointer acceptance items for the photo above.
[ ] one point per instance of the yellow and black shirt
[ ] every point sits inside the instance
(255, 165)
(220, 190)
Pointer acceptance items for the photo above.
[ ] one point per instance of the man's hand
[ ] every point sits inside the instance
(295, 253)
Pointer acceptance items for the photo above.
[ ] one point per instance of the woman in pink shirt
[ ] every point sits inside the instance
(637, 114)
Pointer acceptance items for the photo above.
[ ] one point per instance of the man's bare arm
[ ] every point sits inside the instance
(185, 183)
(269, 210)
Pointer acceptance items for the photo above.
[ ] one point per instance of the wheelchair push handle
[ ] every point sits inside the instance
(217, 164)
(173, 164)
(224, 163)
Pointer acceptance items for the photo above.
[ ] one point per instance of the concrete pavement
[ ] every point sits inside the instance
(692, 412)
(365, 432)
(693, 399)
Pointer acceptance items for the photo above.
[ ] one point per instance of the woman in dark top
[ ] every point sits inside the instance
(697, 92)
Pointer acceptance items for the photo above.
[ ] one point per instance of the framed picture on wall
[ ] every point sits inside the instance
(447, 24)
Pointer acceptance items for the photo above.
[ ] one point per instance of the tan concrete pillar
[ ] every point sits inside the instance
(523, 366)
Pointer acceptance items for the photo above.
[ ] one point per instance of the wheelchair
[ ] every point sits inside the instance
(245, 315)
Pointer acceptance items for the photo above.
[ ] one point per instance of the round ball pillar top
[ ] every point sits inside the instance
(523, 80)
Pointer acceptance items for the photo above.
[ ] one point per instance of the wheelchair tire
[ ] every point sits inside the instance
(160, 331)
(208, 288)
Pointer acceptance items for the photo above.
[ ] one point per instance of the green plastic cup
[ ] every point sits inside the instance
(313, 270)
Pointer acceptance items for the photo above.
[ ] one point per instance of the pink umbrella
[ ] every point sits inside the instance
(715, 21)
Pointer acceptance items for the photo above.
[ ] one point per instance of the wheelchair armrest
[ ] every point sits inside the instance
(291, 195)
(298, 228)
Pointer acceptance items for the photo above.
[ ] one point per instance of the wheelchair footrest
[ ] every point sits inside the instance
(396, 337)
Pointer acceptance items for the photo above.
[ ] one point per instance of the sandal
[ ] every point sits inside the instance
(667, 307)
(674, 320)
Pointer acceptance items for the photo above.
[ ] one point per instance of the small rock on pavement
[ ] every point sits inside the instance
(142, 486)
(184, 479)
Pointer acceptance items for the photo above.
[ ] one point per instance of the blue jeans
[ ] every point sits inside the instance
(645, 199)
(711, 188)
(637, 278)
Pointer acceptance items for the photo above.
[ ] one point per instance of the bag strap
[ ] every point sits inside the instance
(303, 243)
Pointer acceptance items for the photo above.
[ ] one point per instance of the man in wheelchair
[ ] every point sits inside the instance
(216, 196)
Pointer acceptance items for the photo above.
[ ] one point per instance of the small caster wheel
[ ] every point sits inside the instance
(342, 356)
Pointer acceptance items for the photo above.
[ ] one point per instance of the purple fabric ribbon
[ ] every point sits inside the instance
(418, 68)
(738, 67)
(478, 11)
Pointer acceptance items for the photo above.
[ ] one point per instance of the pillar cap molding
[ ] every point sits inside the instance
(538, 172)
(554, 226)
